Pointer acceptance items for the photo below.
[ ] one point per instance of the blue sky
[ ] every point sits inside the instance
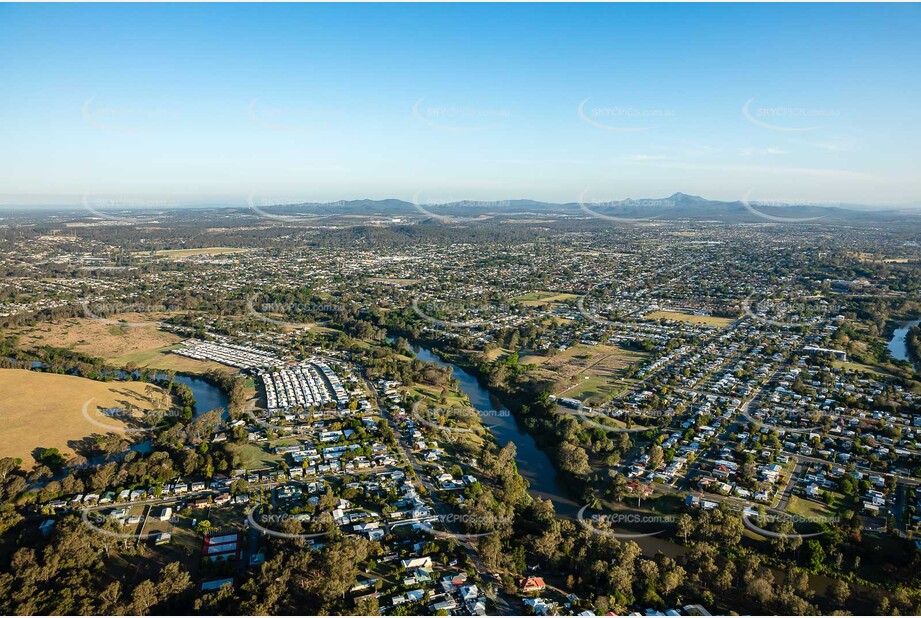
(218, 103)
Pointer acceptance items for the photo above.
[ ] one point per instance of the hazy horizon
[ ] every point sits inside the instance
(149, 203)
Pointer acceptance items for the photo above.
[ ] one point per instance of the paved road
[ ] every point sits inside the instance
(791, 485)
(501, 601)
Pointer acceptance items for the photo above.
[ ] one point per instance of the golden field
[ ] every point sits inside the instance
(145, 346)
(43, 410)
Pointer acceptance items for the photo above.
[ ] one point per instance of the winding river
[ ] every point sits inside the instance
(207, 397)
(535, 466)
(533, 463)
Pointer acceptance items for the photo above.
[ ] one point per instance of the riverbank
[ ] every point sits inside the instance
(207, 390)
(533, 463)
(899, 346)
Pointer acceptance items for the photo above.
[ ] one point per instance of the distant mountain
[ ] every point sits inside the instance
(679, 206)
(676, 207)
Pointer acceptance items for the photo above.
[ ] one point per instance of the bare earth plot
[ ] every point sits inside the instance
(44, 410)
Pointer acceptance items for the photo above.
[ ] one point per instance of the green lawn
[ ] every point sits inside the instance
(163, 358)
(258, 456)
(536, 299)
(811, 509)
(594, 391)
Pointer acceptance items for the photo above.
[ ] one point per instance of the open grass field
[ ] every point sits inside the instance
(596, 390)
(146, 345)
(808, 509)
(537, 299)
(432, 394)
(256, 456)
(496, 353)
(530, 359)
(98, 337)
(871, 369)
(680, 316)
(43, 410)
(162, 358)
(182, 253)
(590, 373)
(394, 281)
(869, 257)
(432, 397)
(879, 371)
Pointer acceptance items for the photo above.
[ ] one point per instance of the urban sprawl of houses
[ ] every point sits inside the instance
(738, 365)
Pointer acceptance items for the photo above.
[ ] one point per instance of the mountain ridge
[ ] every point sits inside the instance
(676, 206)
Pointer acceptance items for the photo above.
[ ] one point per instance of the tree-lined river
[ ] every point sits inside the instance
(207, 395)
(533, 463)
